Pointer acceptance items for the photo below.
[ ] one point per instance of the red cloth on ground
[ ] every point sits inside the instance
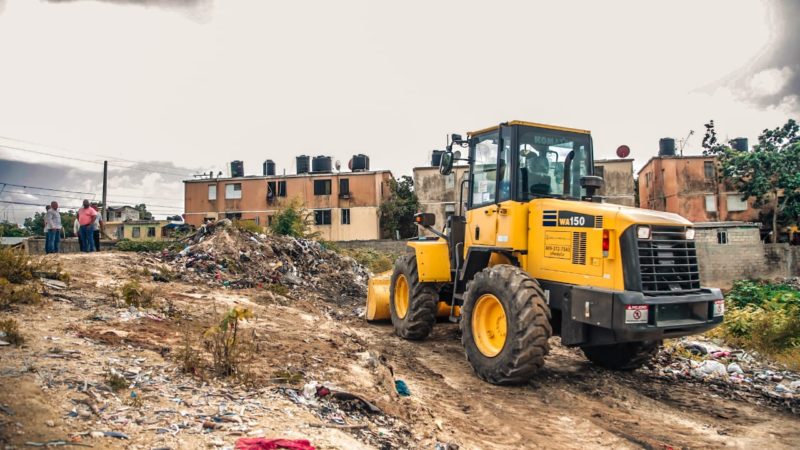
(273, 444)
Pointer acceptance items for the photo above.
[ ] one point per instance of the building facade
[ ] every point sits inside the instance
(343, 206)
(689, 186)
(122, 213)
(440, 194)
(143, 230)
(618, 177)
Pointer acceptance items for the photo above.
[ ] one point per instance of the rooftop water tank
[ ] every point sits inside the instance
(269, 167)
(237, 169)
(321, 164)
(303, 164)
(666, 147)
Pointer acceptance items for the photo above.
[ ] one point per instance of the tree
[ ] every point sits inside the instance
(11, 229)
(144, 214)
(292, 220)
(770, 172)
(175, 218)
(35, 224)
(397, 213)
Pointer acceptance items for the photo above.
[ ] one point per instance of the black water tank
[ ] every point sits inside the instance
(321, 164)
(237, 169)
(666, 147)
(359, 163)
(740, 144)
(303, 164)
(436, 158)
(269, 167)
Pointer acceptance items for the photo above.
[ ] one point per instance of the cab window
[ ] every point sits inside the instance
(484, 169)
(542, 156)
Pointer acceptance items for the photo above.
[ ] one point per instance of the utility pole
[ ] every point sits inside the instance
(105, 191)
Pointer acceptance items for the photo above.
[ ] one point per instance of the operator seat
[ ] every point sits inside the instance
(539, 169)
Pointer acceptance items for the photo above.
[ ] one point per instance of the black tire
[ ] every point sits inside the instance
(423, 299)
(527, 319)
(623, 356)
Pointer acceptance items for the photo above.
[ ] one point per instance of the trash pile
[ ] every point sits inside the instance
(220, 254)
(734, 369)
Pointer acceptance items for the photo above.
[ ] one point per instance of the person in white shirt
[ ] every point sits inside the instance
(53, 224)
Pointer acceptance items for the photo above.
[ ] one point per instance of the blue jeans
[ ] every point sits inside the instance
(87, 238)
(52, 241)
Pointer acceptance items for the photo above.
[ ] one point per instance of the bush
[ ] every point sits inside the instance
(292, 220)
(373, 260)
(115, 381)
(225, 344)
(127, 245)
(136, 295)
(16, 266)
(248, 225)
(11, 328)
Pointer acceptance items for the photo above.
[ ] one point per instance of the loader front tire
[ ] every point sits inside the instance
(623, 356)
(412, 304)
(505, 325)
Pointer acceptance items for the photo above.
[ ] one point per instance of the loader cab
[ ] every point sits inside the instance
(522, 161)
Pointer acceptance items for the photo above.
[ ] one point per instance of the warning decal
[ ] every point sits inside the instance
(558, 244)
(635, 313)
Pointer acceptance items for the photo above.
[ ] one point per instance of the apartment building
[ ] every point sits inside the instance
(344, 205)
(689, 186)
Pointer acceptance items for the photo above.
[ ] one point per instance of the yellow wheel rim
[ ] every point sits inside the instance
(401, 296)
(489, 325)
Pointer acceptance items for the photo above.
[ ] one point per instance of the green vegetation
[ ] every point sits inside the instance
(397, 213)
(19, 274)
(248, 225)
(136, 295)
(34, 226)
(115, 381)
(10, 229)
(768, 172)
(11, 328)
(127, 245)
(223, 340)
(374, 260)
(764, 317)
(293, 220)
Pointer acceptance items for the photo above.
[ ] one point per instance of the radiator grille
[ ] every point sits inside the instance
(668, 262)
(579, 248)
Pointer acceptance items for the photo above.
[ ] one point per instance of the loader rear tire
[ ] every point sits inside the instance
(623, 356)
(505, 325)
(412, 304)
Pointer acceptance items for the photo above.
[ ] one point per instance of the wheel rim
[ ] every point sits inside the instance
(401, 296)
(489, 325)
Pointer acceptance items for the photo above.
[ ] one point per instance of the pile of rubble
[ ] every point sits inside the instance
(736, 371)
(220, 254)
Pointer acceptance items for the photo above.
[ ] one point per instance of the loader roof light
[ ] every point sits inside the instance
(690, 234)
(643, 232)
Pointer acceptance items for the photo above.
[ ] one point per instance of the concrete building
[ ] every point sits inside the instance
(344, 205)
(618, 176)
(689, 186)
(144, 230)
(439, 194)
(122, 213)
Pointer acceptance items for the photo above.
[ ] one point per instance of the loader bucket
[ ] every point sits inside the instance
(378, 299)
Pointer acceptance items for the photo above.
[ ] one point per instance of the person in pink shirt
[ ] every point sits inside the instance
(86, 216)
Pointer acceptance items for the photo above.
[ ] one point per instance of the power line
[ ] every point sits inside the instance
(36, 194)
(45, 189)
(71, 158)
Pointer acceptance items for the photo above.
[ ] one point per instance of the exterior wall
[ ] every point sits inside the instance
(618, 176)
(367, 190)
(679, 185)
(127, 230)
(122, 214)
(436, 192)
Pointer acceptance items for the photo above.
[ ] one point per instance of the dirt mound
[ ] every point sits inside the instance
(222, 254)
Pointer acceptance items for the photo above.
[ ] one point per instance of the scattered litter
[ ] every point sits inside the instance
(402, 388)
(734, 368)
(445, 446)
(273, 444)
(710, 368)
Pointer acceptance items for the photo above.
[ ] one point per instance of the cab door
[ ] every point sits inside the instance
(490, 172)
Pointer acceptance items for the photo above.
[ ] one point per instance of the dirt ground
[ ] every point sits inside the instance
(55, 386)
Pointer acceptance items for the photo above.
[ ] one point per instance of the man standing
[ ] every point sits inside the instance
(53, 219)
(47, 246)
(97, 228)
(86, 216)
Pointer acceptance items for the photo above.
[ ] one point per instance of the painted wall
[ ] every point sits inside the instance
(679, 185)
(127, 230)
(437, 192)
(618, 177)
(367, 190)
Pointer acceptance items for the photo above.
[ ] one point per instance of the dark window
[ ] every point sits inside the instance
(151, 231)
(322, 187)
(322, 216)
(233, 216)
(276, 189)
(281, 189)
(345, 217)
(344, 186)
(708, 168)
(136, 232)
(722, 237)
(269, 220)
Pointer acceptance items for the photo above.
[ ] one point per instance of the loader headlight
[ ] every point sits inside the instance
(643, 232)
(689, 234)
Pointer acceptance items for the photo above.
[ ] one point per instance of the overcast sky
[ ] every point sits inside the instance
(184, 86)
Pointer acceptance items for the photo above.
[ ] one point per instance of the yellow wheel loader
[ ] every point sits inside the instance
(537, 253)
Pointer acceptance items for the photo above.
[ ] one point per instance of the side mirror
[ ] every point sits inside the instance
(425, 219)
(591, 183)
(446, 163)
